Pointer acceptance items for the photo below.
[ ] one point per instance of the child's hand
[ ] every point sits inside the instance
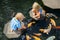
(41, 30)
(37, 34)
(44, 31)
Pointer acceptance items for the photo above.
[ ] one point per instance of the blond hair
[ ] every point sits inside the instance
(36, 6)
(20, 15)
